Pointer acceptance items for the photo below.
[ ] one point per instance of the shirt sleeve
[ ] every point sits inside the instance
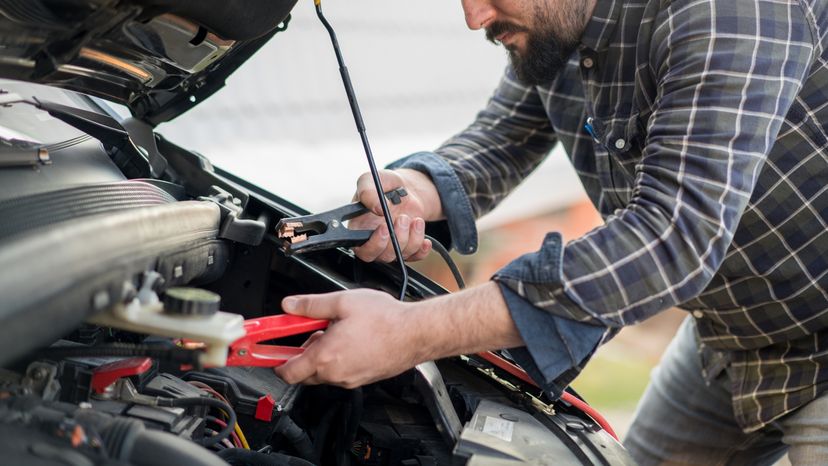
(727, 74)
(504, 144)
(475, 169)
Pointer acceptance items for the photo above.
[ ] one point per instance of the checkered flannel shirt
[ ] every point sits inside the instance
(699, 129)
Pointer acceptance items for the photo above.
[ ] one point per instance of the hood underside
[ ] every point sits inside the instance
(158, 57)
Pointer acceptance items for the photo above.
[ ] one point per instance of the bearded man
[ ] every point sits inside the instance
(698, 129)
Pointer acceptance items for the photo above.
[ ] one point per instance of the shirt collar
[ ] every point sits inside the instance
(602, 24)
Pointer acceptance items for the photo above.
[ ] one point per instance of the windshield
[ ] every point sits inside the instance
(26, 124)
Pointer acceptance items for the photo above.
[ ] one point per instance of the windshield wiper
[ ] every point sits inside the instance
(100, 126)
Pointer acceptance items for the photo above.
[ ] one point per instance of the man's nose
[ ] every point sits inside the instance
(479, 13)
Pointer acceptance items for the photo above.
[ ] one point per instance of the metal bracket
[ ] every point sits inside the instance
(233, 227)
(431, 385)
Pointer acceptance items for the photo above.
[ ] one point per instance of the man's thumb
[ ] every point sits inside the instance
(312, 306)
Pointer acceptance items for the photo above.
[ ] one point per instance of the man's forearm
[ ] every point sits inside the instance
(467, 322)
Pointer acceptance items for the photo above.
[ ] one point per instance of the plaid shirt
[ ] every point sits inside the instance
(699, 129)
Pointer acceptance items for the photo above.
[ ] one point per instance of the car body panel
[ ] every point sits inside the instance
(159, 58)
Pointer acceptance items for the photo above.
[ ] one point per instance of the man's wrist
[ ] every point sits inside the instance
(424, 189)
(458, 230)
(419, 324)
(471, 321)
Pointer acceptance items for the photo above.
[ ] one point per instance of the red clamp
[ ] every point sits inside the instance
(105, 375)
(248, 350)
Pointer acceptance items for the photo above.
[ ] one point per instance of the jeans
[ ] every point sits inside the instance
(683, 421)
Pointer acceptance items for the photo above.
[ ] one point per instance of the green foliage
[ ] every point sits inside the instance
(613, 382)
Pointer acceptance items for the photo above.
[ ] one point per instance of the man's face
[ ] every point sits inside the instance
(539, 35)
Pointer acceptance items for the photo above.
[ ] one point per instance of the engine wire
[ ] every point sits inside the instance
(236, 440)
(236, 428)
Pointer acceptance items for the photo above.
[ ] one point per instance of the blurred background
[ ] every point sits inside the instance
(283, 122)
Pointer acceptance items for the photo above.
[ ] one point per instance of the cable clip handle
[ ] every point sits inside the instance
(327, 230)
(250, 351)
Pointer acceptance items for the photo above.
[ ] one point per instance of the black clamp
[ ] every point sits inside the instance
(327, 230)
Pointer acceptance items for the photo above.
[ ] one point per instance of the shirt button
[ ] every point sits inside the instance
(588, 62)
(698, 314)
(620, 143)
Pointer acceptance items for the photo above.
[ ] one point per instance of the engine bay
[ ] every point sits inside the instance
(121, 294)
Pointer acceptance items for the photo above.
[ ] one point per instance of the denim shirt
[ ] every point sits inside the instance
(699, 130)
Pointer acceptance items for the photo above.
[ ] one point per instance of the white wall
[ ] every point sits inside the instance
(283, 120)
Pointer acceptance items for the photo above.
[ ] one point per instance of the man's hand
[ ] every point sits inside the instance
(372, 336)
(369, 339)
(420, 205)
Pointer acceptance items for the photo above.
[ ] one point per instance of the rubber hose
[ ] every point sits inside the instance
(352, 415)
(323, 427)
(211, 402)
(242, 457)
(119, 437)
(155, 447)
(297, 437)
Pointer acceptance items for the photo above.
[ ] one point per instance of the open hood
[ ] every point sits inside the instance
(158, 57)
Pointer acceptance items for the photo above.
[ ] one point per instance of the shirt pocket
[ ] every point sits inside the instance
(623, 139)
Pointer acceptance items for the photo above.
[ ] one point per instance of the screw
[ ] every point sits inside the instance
(334, 224)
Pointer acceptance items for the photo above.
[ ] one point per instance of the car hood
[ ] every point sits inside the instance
(158, 57)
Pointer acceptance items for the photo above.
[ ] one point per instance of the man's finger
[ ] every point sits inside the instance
(297, 369)
(314, 336)
(313, 380)
(366, 192)
(402, 227)
(315, 306)
(425, 249)
(375, 245)
(415, 237)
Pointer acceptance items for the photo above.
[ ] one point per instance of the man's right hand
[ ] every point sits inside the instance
(420, 205)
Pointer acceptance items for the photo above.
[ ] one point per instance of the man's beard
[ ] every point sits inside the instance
(546, 53)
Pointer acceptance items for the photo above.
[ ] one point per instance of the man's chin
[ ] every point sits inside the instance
(538, 67)
(532, 76)
(514, 52)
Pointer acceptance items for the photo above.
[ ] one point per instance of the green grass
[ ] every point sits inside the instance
(613, 382)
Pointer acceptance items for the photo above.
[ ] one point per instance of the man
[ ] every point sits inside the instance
(698, 128)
